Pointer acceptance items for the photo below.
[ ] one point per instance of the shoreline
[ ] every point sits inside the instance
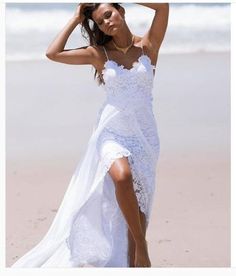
(202, 52)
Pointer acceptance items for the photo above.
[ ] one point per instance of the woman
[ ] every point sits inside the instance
(104, 215)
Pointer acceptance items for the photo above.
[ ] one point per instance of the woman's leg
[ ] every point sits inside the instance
(131, 242)
(122, 177)
(131, 249)
(142, 247)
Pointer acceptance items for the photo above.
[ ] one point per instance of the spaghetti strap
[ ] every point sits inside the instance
(105, 52)
(142, 46)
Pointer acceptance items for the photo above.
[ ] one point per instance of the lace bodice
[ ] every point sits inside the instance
(128, 87)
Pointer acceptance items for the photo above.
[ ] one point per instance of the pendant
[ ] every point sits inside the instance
(123, 50)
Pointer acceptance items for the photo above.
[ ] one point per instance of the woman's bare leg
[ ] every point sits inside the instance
(131, 242)
(122, 177)
(131, 249)
(142, 247)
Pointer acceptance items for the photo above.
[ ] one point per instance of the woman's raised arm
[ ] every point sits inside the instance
(156, 33)
(56, 51)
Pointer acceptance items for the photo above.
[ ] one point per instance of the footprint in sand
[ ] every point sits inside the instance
(164, 240)
(42, 219)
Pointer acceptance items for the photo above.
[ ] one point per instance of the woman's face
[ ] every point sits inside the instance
(108, 18)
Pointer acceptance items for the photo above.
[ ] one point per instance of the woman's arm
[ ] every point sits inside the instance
(156, 33)
(56, 50)
(59, 42)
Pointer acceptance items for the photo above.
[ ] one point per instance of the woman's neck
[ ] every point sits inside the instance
(123, 38)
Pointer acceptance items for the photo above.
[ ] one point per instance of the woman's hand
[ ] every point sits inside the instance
(79, 16)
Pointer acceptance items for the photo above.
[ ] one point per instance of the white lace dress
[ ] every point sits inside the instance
(89, 228)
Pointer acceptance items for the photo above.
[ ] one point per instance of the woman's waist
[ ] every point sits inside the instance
(130, 102)
(129, 114)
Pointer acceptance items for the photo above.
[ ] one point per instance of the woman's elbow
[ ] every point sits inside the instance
(50, 55)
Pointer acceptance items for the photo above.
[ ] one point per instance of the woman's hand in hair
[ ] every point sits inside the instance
(56, 50)
(79, 12)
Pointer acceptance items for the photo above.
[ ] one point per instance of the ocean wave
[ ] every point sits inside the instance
(191, 28)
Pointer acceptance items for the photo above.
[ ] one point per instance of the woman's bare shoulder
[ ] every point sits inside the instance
(148, 49)
(99, 57)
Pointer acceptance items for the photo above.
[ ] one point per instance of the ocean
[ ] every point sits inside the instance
(31, 27)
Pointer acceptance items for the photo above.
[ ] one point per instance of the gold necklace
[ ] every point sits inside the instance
(124, 49)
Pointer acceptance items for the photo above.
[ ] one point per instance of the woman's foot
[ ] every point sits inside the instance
(141, 255)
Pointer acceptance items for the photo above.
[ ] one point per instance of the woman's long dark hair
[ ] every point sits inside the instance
(91, 31)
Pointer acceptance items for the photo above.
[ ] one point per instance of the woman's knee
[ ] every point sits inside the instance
(120, 171)
(124, 177)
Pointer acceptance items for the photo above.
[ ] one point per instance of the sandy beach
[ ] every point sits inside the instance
(51, 109)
